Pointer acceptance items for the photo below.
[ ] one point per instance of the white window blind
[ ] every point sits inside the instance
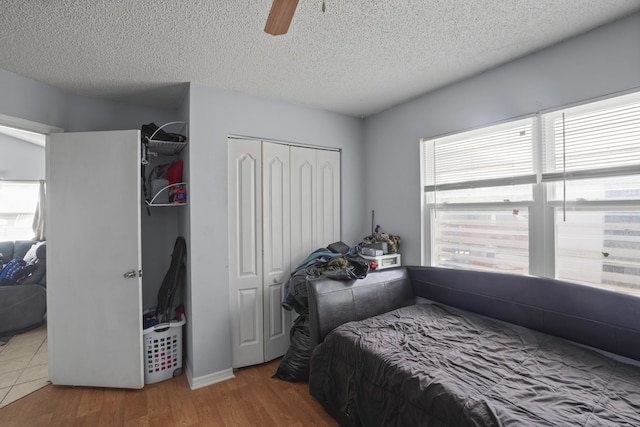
(499, 155)
(474, 183)
(583, 225)
(601, 139)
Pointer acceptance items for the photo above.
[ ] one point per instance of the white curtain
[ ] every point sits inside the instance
(38, 219)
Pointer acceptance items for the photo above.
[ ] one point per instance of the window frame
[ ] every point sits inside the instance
(542, 217)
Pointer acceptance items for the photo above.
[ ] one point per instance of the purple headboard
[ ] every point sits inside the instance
(599, 318)
(596, 317)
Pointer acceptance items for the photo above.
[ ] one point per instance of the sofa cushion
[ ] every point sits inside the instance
(21, 247)
(31, 257)
(38, 274)
(21, 308)
(6, 249)
(41, 251)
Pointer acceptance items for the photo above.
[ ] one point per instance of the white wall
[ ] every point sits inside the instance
(601, 62)
(215, 114)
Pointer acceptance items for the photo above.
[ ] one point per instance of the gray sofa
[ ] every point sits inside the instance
(23, 306)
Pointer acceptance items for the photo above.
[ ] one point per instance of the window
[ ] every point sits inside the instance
(479, 188)
(557, 195)
(591, 165)
(19, 201)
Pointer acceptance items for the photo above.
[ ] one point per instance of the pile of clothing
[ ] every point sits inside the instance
(30, 269)
(337, 261)
(327, 262)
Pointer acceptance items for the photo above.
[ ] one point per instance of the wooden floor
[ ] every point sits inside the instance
(253, 398)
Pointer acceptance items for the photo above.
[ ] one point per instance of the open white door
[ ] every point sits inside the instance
(94, 289)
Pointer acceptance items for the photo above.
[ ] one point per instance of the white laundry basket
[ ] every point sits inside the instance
(163, 351)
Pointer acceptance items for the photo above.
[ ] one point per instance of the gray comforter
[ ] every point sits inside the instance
(438, 366)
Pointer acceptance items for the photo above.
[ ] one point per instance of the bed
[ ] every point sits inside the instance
(423, 361)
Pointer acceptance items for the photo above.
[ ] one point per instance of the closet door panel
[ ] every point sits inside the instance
(245, 251)
(328, 197)
(303, 204)
(276, 247)
(249, 326)
(275, 331)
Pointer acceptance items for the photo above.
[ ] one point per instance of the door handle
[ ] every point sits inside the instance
(132, 274)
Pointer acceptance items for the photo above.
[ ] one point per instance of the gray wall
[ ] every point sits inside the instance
(184, 230)
(604, 61)
(215, 114)
(601, 62)
(212, 115)
(20, 160)
(89, 114)
(30, 100)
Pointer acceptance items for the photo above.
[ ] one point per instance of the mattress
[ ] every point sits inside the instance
(433, 365)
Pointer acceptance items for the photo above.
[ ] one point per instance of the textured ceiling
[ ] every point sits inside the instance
(357, 58)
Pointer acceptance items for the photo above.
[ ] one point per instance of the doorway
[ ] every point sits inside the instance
(23, 356)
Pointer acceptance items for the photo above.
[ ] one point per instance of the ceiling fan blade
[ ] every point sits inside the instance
(280, 16)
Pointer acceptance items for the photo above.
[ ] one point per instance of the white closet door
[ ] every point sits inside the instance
(277, 196)
(303, 204)
(245, 251)
(276, 247)
(94, 308)
(328, 197)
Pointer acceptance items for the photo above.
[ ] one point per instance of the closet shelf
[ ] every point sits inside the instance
(164, 204)
(165, 148)
(167, 191)
(162, 146)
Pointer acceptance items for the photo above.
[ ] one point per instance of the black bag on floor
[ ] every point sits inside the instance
(294, 366)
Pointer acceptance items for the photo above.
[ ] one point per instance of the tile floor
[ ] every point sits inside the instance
(23, 365)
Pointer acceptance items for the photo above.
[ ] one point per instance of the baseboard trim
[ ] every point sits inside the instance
(207, 380)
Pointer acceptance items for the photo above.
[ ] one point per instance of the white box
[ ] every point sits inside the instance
(384, 261)
(371, 252)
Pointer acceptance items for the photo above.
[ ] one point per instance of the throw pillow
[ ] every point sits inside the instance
(31, 256)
